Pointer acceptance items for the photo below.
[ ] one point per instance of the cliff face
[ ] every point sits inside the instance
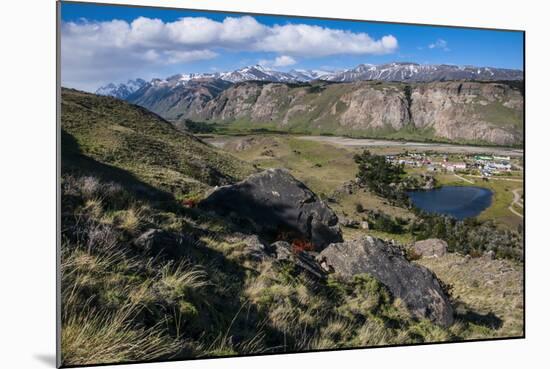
(484, 112)
(173, 100)
(476, 112)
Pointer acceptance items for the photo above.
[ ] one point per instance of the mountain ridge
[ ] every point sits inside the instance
(391, 72)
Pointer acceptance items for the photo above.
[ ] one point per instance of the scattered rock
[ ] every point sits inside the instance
(430, 247)
(415, 285)
(302, 260)
(489, 255)
(255, 249)
(350, 223)
(282, 250)
(273, 202)
(157, 241)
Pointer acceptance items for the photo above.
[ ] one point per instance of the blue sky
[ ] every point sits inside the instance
(114, 43)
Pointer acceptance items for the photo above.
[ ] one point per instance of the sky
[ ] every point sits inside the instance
(106, 43)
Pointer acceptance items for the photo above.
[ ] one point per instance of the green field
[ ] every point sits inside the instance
(324, 167)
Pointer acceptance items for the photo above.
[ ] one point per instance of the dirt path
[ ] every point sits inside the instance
(498, 178)
(440, 147)
(464, 179)
(516, 201)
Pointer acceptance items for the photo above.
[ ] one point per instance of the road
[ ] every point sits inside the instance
(517, 201)
(464, 179)
(424, 146)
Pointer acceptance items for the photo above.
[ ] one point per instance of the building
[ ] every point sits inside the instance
(454, 166)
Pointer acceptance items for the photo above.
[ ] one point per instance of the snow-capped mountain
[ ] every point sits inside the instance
(121, 90)
(256, 73)
(414, 72)
(305, 75)
(399, 72)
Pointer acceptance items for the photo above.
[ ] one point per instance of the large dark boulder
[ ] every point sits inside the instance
(273, 204)
(415, 285)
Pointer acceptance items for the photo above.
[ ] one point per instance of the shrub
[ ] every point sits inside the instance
(300, 245)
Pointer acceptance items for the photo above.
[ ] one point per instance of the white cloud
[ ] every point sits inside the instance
(92, 50)
(280, 61)
(439, 44)
(284, 61)
(307, 40)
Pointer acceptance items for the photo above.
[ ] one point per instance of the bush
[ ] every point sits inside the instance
(300, 245)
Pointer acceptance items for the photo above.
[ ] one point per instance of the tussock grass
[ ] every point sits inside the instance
(176, 282)
(92, 337)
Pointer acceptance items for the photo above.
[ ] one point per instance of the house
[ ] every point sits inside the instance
(454, 166)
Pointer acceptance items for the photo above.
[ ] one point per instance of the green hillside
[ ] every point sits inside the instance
(133, 139)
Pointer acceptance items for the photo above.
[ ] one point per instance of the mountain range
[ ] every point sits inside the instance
(398, 100)
(398, 72)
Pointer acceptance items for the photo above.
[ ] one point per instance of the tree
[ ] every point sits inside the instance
(379, 175)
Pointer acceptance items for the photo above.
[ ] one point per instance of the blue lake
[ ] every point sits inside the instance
(459, 202)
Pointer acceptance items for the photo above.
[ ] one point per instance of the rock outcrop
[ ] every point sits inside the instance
(415, 285)
(274, 204)
(430, 247)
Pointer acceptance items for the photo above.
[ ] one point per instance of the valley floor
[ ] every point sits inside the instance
(325, 163)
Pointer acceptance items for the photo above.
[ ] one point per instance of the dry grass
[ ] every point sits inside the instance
(92, 337)
(485, 287)
(176, 282)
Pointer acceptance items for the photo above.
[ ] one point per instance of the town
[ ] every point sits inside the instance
(483, 165)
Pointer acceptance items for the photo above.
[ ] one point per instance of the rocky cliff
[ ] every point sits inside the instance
(485, 112)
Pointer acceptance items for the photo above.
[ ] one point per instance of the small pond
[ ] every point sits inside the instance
(459, 202)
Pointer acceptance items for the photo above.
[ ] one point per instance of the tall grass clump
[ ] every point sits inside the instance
(89, 336)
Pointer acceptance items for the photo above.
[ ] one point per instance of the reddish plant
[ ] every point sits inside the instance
(300, 245)
(189, 203)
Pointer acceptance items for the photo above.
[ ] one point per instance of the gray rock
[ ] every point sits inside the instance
(430, 247)
(274, 202)
(282, 250)
(302, 260)
(255, 249)
(350, 223)
(365, 225)
(157, 241)
(489, 255)
(415, 285)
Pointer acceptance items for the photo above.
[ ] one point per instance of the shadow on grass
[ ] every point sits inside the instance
(73, 161)
(489, 320)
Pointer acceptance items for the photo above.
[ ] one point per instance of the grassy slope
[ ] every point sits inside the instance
(131, 138)
(494, 287)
